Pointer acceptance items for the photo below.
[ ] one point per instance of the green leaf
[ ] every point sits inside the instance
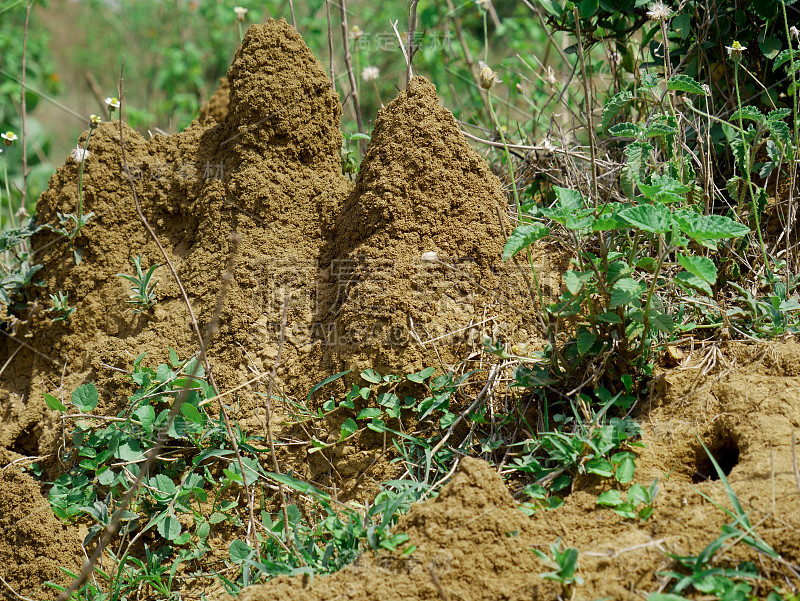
(684, 83)
(662, 322)
(783, 57)
(664, 189)
(601, 467)
(522, 237)
(625, 470)
(192, 414)
(85, 397)
(702, 267)
(349, 427)
(575, 280)
(709, 227)
(627, 292)
(748, 112)
(626, 130)
(609, 317)
(174, 360)
(369, 413)
(169, 527)
(129, 450)
(53, 403)
(655, 130)
(300, 486)
(327, 380)
(421, 376)
(239, 550)
(638, 494)
(146, 415)
(613, 107)
(568, 198)
(655, 219)
(687, 280)
(372, 376)
(635, 168)
(585, 341)
(610, 498)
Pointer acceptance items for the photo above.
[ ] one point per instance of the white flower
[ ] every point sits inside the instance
(484, 4)
(550, 76)
(78, 154)
(488, 77)
(112, 102)
(355, 32)
(240, 12)
(735, 51)
(794, 32)
(659, 11)
(430, 256)
(9, 136)
(370, 73)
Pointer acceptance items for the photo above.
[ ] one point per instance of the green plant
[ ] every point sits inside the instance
(60, 307)
(70, 224)
(729, 584)
(629, 507)
(143, 290)
(564, 564)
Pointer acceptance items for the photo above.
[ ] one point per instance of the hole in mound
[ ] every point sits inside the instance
(726, 454)
(27, 442)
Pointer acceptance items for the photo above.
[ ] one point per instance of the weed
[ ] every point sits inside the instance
(564, 564)
(629, 508)
(143, 290)
(61, 308)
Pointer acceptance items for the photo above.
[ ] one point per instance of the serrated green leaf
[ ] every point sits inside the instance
(778, 115)
(655, 219)
(662, 322)
(85, 397)
(659, 129)
(568, 198)
(613, 107)
(625, 130)
(609, 317)
(575, 280)
(635, 168)
(749, 112)
(709, 227)
(53, 403)
(688, 280)
(522, 237)
(627, 292)
(684, 83)
(702, 267)
(664, 189)
(584, 341)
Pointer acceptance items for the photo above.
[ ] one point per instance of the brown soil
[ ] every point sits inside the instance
(474, 544)
(33, 542)
(253, 194)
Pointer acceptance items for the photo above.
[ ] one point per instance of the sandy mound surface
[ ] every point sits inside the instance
(474, 544)
(33, 542)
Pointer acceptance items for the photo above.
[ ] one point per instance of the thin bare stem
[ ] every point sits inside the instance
(351, 76)
(331, 68)
(24, 117)
(291, 12)
(412, 28)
